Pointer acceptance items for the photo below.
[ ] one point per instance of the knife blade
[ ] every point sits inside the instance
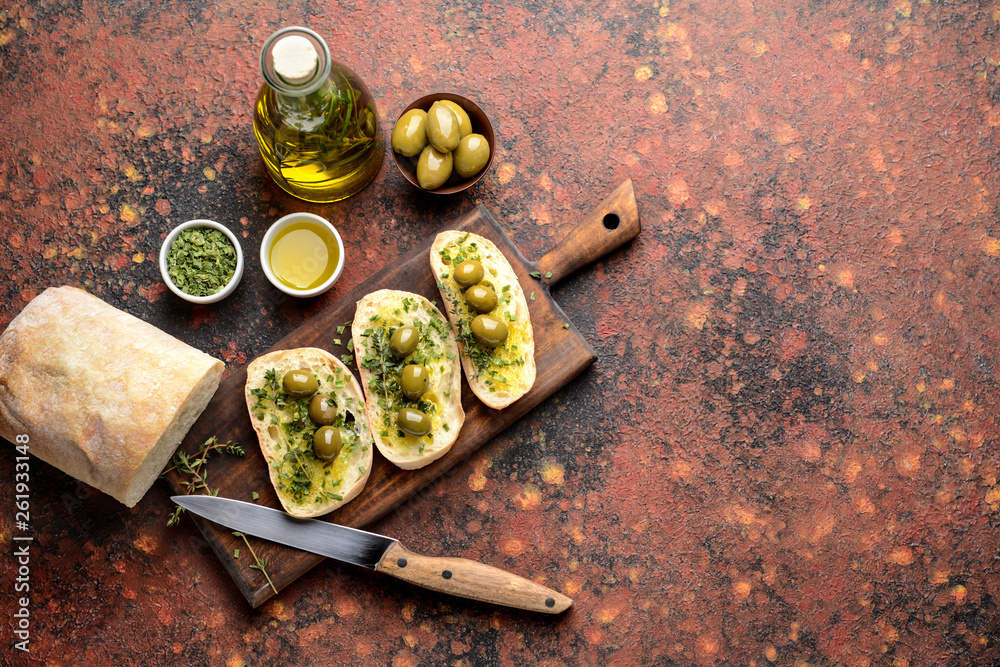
(455, 576)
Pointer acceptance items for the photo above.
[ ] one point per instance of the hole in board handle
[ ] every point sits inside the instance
(611, 221)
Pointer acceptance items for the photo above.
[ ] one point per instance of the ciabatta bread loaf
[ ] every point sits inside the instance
(100, 394)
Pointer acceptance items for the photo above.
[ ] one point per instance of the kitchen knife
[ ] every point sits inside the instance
(456, 576)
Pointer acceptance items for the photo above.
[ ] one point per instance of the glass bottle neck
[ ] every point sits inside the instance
(304, 104)
(305, 112)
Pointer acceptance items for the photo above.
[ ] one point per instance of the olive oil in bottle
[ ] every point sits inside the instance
(315, 121)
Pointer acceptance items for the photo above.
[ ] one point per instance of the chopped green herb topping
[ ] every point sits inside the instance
(486, 361)
(289, 419)
(201, 261)
(386, 369)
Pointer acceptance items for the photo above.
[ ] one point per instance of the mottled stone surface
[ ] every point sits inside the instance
(787, 451)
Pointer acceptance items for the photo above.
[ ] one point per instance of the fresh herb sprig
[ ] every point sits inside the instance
(258, 564)
(385, 368)
(345, 136)
(194, 465)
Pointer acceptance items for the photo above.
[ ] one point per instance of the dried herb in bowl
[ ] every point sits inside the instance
(201, 261)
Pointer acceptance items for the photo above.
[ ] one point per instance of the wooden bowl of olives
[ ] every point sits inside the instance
(443, 143)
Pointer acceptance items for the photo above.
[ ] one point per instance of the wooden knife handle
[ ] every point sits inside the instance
(612, 224)
(470, 579)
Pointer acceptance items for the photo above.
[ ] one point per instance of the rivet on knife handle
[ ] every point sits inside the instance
(611, 225)
(470, 579)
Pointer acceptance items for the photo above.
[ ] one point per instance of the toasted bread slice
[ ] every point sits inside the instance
(378, 316)
(497, 376)
(307, 485)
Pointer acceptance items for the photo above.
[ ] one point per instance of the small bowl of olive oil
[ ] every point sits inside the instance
(302, 255)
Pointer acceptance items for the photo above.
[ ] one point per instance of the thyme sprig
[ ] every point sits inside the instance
(346, 135)
(385, 368)
(258, 564)
(194, 465)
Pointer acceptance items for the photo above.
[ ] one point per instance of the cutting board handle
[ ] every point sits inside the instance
(611, 225)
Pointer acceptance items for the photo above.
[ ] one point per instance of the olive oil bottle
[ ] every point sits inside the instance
(315, 121)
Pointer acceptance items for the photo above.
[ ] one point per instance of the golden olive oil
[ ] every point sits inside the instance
(319, 137)
(304, 255)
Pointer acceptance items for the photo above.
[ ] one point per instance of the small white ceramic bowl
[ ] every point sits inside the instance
(211, 298)
(268, 242)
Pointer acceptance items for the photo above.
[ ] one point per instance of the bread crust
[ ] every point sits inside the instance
(351, 467)
(495, 393)
(445, 387)
(102, 395)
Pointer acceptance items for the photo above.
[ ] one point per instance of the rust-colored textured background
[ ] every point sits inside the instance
(787, 451)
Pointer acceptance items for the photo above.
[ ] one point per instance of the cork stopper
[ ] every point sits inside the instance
(295, 59)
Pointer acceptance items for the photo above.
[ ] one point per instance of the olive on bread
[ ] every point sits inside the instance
(489, 313)
(309, 415)
(408, 362)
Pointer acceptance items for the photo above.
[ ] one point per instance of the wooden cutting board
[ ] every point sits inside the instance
(561, 354)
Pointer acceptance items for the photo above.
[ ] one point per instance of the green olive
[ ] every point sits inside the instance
(471, 156)
(413, 422)
(326, 442)
(414, 381)
(300, 383)
(404, 341)
(433, 168)
(489, 331)
(443, 127)
(322, 409)
(481, 298)
(464, 122)
(409, 136)
(469, 273)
